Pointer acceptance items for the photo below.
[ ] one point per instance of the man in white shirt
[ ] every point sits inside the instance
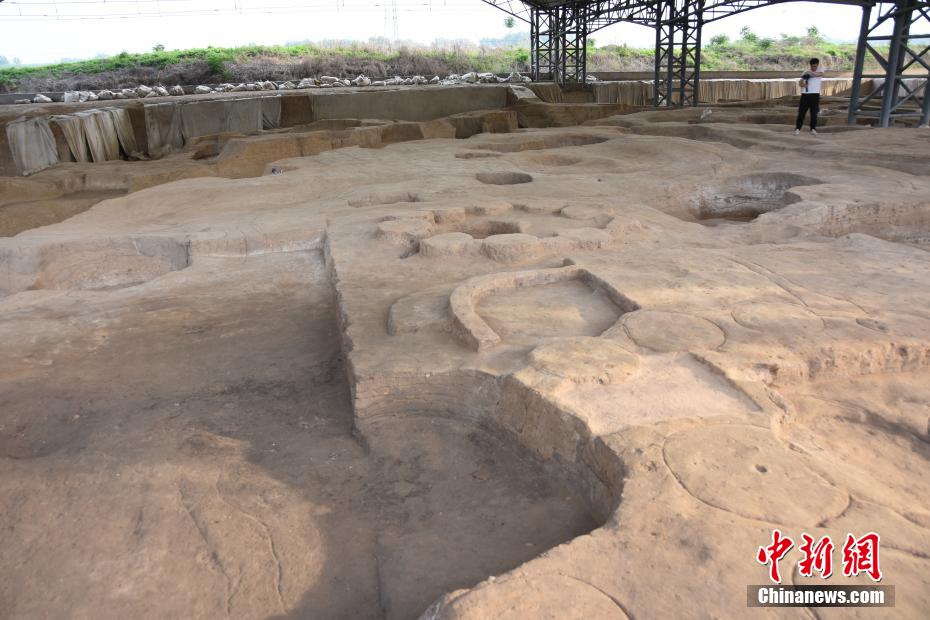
(810, 96)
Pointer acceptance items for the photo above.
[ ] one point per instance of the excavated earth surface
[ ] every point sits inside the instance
(374, 371)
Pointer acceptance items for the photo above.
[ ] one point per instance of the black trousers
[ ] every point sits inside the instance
(809, 101)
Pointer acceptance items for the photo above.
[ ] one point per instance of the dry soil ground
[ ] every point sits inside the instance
(600, 363)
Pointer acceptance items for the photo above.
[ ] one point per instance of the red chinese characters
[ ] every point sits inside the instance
(860, 555)
(773, 553)
(817, 557)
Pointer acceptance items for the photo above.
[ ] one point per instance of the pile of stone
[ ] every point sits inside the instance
(325, 81)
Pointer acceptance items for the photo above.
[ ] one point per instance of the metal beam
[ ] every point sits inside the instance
(902, 92)
(678, 53)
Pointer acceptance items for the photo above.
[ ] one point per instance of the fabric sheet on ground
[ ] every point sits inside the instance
(32, 144)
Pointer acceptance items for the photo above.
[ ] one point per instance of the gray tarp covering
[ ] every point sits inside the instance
(271, 112)
(202, 118)
(639, 93)
(123, 124)
(97, 135)
(32, 144)
(168, 130)
(244, 115)
(73, 129)
(163, 128)
(101, 135)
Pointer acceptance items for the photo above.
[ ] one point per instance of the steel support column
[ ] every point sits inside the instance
(542, 45)
(558, 40)
(678, 53)
(905, 88)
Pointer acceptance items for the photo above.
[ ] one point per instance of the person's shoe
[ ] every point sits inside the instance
(813, 132)
(797, 132)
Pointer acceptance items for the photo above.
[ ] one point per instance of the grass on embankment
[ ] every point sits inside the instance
(289, 62)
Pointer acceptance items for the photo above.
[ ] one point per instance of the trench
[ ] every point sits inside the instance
(251, 457)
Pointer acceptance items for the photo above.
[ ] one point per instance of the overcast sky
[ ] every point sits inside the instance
(39, 31)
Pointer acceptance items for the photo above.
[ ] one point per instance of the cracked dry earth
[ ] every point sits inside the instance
(576, 372)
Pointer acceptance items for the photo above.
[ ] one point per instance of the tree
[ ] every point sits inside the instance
(509, 21)
(719, 40)
(3, 61)
(748, 35)
(158, 48)
(813, 33)
(766, 43)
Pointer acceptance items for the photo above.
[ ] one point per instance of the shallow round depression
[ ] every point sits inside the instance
(541, 143)
(503, 178)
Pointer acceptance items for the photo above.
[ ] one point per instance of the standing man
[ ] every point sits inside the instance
(810, 96)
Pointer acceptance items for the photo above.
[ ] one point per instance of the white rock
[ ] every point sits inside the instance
(470, 78)
(307, 83)
(128, 93)
(176, 90)
(119, 96)
(379, 83)
(240, 88)
(268, 85)
(326, 85)
(152, 93)
(286, 86)
(143, 90)
(362, 81)
(92, 96)
(435, 80)
(161, 91)
(328, 79)
(41, 99)
(71, 96)
(203, 90)
(22, 101)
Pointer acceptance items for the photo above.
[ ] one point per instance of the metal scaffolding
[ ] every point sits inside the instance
(895, 33)
(678, 53)
(898, 94)
(558, 38)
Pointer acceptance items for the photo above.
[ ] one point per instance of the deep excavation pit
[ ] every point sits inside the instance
(745, 198)
(241, 450)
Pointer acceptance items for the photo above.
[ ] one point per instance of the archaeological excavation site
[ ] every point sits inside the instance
(514, 346)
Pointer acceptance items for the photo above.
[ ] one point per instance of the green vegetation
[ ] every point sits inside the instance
(754, 53)
(748, 53)
(378, 57)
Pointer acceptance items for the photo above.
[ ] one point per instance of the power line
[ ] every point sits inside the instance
(237, 8)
